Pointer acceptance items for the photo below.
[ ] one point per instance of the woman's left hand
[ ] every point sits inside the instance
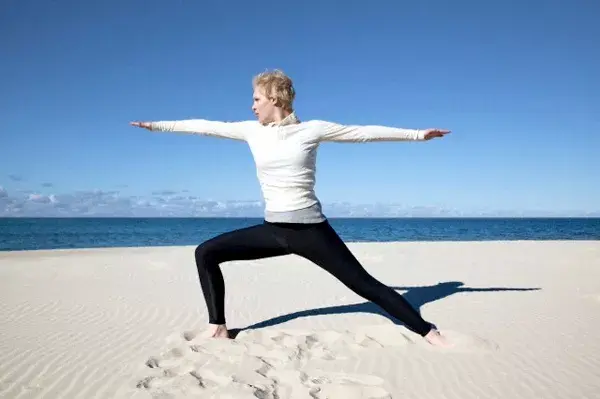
(433, 133)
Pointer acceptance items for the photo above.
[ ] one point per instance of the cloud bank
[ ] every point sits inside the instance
(168, 203)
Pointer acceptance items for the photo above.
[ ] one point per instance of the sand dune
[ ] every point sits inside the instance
(128, 323)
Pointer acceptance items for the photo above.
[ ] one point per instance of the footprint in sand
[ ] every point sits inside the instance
(267, 364)
(294, 383)
(278, 363)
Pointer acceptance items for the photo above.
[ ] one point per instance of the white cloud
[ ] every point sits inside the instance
(166, 203)
(112, 203)
(42, 199)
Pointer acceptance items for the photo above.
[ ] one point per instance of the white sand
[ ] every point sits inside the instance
(126, 323)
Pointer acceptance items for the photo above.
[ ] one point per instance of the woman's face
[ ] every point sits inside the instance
(263, 107)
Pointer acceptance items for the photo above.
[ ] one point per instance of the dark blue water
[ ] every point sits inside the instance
(51, 233)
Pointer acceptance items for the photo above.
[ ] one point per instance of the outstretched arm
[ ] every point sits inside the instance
(230, 130)
(356, 133)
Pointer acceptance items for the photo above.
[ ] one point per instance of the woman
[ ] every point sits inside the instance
(284, 150)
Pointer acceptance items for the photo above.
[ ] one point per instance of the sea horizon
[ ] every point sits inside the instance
(328, 217)
(31, 233)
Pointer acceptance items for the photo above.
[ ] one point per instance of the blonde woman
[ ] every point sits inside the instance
(284, 150)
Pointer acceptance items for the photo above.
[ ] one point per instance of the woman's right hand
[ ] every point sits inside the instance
(145, 125)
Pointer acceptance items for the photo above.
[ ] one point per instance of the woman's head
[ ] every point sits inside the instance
(273, 96)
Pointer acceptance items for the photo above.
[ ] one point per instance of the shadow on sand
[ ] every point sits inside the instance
(417, 296)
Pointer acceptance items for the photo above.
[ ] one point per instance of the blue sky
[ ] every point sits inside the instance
(516, 82)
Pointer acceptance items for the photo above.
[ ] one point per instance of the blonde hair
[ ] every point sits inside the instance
(277, 86)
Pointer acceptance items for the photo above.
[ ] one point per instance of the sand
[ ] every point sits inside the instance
(127, 323)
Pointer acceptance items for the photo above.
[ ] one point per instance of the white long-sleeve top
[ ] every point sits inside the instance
(285, 154)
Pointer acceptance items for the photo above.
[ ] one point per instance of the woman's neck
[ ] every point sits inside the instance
(283, 118)
(280, 115)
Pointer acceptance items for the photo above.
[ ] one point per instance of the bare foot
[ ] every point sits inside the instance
(218, 331)
(436, 339)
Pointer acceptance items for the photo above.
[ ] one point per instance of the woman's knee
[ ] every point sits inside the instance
(205, 254)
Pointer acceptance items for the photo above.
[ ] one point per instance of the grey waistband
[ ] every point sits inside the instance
(312, 214)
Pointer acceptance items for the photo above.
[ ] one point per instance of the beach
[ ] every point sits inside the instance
(522, 317)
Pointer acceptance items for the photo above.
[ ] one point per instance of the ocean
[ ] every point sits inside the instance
(62, 233)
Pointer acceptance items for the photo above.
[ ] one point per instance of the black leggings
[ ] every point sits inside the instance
(318, 243)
